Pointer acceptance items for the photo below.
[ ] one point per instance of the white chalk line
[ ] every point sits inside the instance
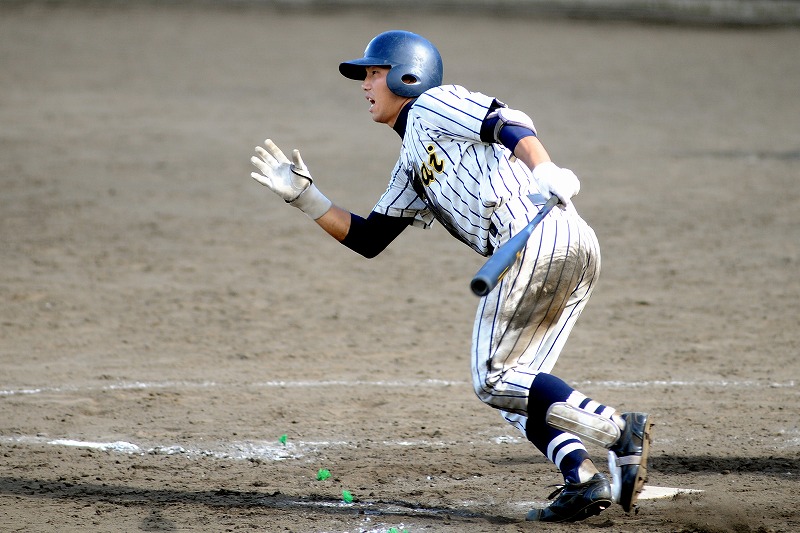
(289, 448)
(135, 385)
(264, 451)
(237, 450)
(609, 384)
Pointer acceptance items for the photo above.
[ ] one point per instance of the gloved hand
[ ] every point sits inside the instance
(556, 181)
(289, 179)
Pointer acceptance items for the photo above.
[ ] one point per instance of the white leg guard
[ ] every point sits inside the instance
(594, 428)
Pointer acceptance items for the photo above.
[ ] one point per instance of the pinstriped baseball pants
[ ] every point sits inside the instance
(523, 324)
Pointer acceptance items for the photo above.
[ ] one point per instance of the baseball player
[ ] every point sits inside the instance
(477, 167)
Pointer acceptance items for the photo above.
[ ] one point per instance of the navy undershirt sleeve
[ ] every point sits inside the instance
(511, 135)
(370, 236)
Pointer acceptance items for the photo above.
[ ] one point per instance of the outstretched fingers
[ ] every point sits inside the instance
(276, 152)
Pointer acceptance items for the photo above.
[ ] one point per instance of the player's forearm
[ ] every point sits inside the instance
(531, 151)
(336, 222)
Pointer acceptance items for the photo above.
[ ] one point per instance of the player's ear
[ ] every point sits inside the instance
(409, 79)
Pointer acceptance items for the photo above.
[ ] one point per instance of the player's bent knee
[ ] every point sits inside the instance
(490, 397)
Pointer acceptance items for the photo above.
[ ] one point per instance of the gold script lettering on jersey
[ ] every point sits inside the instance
(433, 164)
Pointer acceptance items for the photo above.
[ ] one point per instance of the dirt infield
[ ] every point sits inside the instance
(182, 352)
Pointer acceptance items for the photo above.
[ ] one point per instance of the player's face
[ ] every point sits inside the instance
(384, 104)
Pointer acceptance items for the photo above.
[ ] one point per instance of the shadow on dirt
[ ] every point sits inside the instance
(769, 466)
(122, 495)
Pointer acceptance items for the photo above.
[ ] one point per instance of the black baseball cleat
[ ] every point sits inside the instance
(575, 501)
(628, 459)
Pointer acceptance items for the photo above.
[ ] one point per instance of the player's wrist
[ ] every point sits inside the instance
(557, 181)
(545, 170)
(312, 202)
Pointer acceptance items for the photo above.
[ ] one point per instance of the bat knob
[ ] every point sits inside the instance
(479, 286)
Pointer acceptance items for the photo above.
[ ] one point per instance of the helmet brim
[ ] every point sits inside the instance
(356, 69)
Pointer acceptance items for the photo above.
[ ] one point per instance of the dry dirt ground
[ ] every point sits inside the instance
(166, 320)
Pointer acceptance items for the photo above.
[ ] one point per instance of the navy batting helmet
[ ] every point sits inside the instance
(415, 64)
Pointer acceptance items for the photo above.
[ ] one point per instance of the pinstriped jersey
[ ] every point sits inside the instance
(446, 173)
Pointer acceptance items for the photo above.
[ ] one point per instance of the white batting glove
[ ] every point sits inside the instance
(289, 179)
(556, 181)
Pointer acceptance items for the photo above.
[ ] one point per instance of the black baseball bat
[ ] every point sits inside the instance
(498, 264)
